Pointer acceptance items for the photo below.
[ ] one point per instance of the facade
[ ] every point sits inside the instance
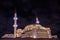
(32, 31)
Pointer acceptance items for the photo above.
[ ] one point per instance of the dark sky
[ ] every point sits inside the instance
(46, 10)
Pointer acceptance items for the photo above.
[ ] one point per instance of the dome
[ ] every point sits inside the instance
(36, 31)
(34, 26)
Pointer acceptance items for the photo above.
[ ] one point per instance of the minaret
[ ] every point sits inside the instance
(35, 31)
(15, 24)
(37, 20)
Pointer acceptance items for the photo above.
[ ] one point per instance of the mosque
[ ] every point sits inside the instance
(30, 31)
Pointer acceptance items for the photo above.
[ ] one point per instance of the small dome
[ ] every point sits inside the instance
(19, 31)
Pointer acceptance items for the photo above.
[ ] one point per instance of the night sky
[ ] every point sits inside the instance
(46, 10)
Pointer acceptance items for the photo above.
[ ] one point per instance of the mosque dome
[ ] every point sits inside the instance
(36, 31)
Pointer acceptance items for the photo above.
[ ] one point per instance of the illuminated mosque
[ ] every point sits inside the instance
(30, 31)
